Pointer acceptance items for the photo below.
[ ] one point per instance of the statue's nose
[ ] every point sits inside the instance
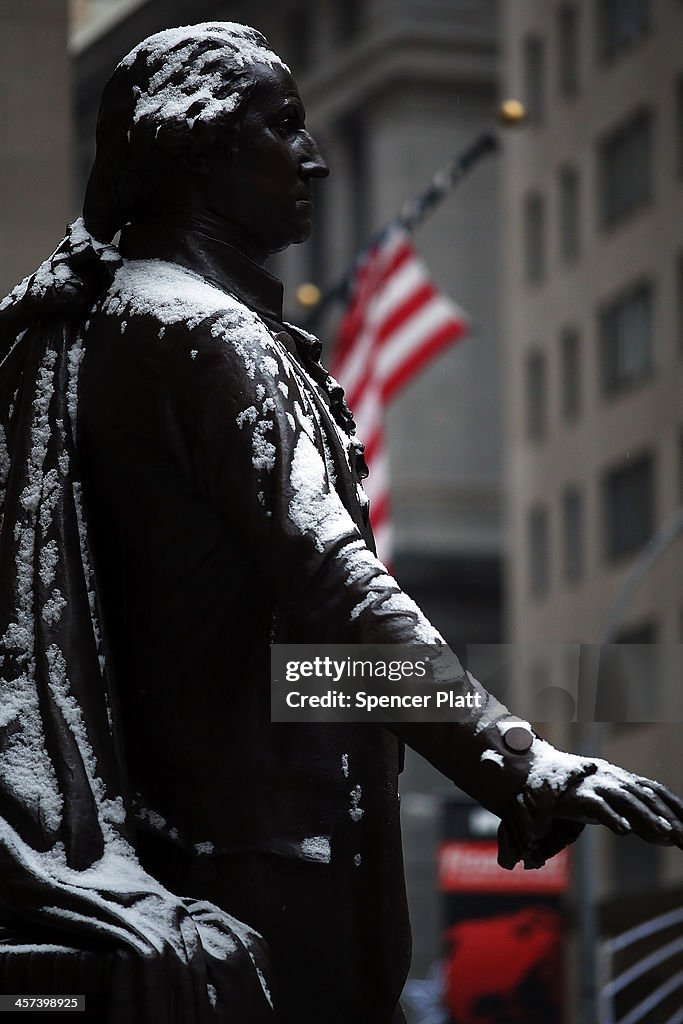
(313, 165)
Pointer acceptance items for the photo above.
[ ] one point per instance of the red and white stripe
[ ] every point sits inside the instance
(396, 322)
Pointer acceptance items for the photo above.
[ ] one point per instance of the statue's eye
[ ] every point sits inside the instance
(289, 121)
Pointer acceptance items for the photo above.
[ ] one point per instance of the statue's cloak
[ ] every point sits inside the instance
(79, 913)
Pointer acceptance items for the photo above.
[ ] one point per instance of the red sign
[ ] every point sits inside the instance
(472, 866)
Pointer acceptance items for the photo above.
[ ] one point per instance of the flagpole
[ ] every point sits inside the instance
(416, 209)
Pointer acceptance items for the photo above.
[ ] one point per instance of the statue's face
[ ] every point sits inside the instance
(263, 186)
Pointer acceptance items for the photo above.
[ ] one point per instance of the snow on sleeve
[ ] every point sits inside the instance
(263, 452)
(424, 631)
(316, 849)
(314, 509)
(377, 586)
(204, 849)
(356, 812)
(553, 767)
(493, 755)
(248, 415)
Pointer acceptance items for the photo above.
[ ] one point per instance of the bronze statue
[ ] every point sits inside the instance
(221, 510)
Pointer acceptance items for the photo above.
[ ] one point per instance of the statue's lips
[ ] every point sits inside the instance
(304, 204)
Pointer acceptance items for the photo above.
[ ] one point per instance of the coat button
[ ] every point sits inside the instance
(518, 739)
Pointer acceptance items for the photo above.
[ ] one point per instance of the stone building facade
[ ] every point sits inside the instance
(593, 370)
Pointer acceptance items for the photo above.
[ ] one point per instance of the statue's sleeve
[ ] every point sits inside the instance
(261, 455)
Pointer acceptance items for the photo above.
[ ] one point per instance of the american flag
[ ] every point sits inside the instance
(396, 321)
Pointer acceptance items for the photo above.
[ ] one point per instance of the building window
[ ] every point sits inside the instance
(534, 237)
(625, 159)
(621, 23)
(626, 340)
(629, 506)
(539, 552)
(568, 49)
(645, 633)
(534, 73)
(570, 381)
(570, 213)
(573, 533)
(536, 395)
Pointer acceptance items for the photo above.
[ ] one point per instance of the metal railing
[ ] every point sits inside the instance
(611, 988)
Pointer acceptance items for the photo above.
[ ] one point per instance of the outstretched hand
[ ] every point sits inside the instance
(626, 804)
(564, 792)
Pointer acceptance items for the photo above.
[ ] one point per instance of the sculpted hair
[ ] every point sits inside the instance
(177, 95)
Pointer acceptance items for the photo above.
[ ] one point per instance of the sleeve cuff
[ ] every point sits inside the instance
(528, 831)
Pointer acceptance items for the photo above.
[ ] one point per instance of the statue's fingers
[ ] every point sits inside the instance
(655, 800)
(645, 822)
(674, 802)
(596, 810)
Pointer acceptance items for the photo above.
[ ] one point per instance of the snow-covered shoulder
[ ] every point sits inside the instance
(171, 294)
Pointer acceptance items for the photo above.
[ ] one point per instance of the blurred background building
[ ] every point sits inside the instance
(35, 133)
(593, 272)
(548, 446)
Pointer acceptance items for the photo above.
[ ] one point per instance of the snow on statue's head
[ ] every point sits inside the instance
(179, 93)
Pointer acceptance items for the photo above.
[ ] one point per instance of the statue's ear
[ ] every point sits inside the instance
(207, 144)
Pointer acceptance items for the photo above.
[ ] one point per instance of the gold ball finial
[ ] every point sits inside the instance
(511, 112)
(308, 295)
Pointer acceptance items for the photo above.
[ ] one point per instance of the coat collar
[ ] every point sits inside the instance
(218, 262)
